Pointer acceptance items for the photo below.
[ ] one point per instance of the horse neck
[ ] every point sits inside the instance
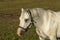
(41, 17)
(36, 17)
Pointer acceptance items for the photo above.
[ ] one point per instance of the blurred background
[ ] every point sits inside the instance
(10, 12)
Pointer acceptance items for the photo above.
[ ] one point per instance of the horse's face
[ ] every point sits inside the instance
(25, 21)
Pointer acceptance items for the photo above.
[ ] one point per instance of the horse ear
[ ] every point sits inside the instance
(22, 9)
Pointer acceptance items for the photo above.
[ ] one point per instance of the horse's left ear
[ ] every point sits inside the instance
(22, 9)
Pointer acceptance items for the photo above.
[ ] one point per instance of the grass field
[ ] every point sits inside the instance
(10, 11)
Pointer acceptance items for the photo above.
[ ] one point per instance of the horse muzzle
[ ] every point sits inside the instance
(20, 32)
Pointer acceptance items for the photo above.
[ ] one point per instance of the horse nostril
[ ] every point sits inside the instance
(22, 32)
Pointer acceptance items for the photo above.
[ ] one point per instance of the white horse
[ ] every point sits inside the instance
(47, 23)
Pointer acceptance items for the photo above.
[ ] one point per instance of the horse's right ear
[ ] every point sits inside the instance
(22, 9)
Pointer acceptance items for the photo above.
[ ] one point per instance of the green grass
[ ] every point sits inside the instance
(9, 15)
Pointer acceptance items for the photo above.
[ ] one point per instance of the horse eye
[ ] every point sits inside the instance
(26, 20)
